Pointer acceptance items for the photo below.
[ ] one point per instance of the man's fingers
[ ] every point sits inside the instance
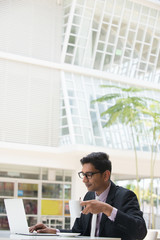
(85, 211)
(47, 230)
(36, 227)
(42, 230)
(84, 203)
(31, 229)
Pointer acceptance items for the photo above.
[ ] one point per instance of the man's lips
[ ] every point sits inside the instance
(88, 185)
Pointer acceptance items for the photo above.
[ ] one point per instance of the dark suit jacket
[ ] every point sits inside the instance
(129, 223)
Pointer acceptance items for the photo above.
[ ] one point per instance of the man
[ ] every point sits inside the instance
(118, 209)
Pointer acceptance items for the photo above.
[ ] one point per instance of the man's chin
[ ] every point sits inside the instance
(89, 187)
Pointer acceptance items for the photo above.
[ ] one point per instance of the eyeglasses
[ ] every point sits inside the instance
(88, 175)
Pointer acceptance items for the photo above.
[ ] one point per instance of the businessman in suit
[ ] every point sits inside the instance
(117, 209)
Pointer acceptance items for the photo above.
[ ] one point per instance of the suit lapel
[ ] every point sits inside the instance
(87, 225)
(88, 217)
(111, 193)
(109, 200)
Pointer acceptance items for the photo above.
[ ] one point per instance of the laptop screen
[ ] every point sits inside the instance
(16, 216)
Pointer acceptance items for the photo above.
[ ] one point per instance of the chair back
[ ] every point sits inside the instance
(151, 235)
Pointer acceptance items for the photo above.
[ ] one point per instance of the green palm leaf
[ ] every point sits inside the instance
(129, 109)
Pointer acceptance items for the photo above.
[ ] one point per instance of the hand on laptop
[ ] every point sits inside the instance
(41, 228)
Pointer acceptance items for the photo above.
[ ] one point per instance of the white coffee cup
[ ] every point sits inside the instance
(75, 208)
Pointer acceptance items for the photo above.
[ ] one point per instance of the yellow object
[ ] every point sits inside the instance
(51, 207)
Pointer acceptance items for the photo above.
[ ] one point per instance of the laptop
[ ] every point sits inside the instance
(17, 218)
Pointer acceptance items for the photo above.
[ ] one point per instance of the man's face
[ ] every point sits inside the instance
(98, 182)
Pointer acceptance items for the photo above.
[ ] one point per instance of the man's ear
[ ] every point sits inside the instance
(107, 175)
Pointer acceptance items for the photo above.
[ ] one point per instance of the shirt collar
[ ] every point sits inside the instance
(103, 196)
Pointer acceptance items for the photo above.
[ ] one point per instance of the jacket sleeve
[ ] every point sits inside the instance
(129, 218)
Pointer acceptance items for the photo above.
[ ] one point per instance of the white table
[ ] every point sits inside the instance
(60, 238)
(22, 237)
(54, 238)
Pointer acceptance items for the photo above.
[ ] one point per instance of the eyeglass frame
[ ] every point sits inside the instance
(86, 174)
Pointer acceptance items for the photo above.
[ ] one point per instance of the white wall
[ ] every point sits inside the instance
(30, 93)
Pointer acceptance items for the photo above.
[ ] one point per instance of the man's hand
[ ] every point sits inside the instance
(41, 228)
(95, 207)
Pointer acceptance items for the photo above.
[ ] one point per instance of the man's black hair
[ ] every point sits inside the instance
(99, 160)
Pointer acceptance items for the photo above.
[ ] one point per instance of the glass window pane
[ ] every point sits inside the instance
(67, 191)
(76, 20)
(50, 190)
(59, 175)
(97, 63)
(81, 42)
(30, 206)
(123, 30)
(14, 171)
(107, 59)
(70, 49)
(112, 38)
(27, 190)
(72, 102)
(75, 120)
(66, 208)
(72, 39)
(74, 29)
(83, 108)
(6, 189)
(77, 130)
(4, 223)
(80, 95)
(52, 174)
(31, 221)
(79, 139)
(64, 121)
(52, 221)
(67, 223)
(68, 59)
(65, 131)
(95, 124)
(63, 112)
(140, 34)
(68, 178)
(2, 207)
(74, 111)
(71, 93)
(110, 48)
(101, 46)
(88, 136)
(99, 142)
(70, 84)
(85, 122)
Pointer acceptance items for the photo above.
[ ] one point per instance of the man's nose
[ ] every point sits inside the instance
(85, 179)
